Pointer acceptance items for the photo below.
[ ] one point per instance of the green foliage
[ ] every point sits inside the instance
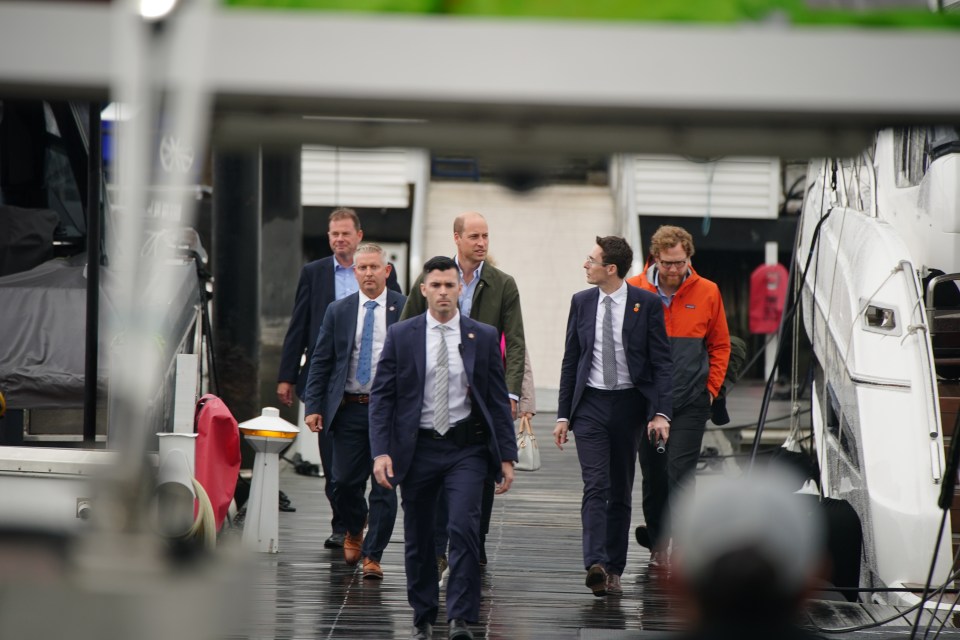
(701, 11)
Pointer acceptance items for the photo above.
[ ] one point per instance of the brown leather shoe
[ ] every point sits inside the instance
(372, 570)
(597, 580)
(351, 547)
(614, 588)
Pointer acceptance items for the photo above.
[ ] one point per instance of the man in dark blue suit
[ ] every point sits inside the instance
(338, 394)
(615, 382)
(440, 416)
(321, 282)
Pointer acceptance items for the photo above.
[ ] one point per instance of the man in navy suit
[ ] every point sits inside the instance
(338, 394)
(440, 416)
(321, 282)
(615, 382)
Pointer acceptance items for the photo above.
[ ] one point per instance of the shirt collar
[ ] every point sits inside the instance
(453, 323)
(476, 272)
(381, 299)
(338, 267)
(619, 296)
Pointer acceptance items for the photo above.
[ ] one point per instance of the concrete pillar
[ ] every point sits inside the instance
(282, 232)
(236, 270)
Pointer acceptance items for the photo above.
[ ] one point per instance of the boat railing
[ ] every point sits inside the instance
(927, 368)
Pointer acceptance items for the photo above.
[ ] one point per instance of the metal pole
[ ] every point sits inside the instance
(91, 360)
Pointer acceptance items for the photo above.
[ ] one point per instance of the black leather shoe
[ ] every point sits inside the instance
(335, 541)
(422, 632)
(643, 537)
(459, 630)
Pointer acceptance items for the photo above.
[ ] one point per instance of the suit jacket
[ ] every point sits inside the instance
(396, 400)
(644, 341)
(330, 360)
(315, 292)
(496, 301)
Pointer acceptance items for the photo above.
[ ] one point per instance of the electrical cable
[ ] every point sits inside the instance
(768, 389)
(879, 623)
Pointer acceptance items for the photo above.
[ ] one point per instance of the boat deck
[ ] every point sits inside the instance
(532, 588)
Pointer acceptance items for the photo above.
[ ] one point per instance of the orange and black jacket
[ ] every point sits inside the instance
(699, 339)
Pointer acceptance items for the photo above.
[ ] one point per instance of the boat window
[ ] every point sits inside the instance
(911, 147)
(916, 148)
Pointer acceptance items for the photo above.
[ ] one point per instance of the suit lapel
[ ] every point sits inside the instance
(590, 319)
(350, 322)
(394, 308)
(468, 349)
(631, 314)
(418, 340)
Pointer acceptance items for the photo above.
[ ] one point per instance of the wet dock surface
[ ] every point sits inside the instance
(532, 587)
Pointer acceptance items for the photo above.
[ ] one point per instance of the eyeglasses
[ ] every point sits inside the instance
(672, 264)
(594, 263)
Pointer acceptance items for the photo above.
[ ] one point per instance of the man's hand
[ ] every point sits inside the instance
(560, 433)
(504, 485)
(315, 422)
(285, 393)
(513, 408)
(658, 429)
(383, 471)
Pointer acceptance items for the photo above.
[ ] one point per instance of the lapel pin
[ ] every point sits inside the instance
(636, 307)
(470, 335)
(392, 308)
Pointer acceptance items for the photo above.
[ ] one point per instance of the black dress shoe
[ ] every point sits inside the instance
(422, 632)
(643, 537)
(459, 630)
(335, 541)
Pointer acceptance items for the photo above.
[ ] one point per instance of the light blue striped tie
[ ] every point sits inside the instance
(365, 360)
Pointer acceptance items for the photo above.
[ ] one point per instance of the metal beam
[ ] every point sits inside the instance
(546, 87)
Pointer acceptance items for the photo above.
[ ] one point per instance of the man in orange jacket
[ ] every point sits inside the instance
(700, 345)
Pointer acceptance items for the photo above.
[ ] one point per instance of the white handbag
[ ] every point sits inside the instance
(528, 453)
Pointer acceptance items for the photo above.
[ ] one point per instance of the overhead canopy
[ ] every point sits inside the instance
(542, 88)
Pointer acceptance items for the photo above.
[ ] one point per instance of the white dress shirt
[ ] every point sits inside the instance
(617, 309)
(379, 335)
(457, 376)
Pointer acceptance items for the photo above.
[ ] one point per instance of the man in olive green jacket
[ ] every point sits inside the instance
(490, 296)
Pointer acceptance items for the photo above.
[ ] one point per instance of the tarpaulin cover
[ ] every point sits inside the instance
(42, 328)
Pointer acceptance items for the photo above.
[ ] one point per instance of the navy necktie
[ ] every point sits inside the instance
(365, 360)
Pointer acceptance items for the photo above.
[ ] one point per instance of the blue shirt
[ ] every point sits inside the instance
(466, 294)
(344, 280)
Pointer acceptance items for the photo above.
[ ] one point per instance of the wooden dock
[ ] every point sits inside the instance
(532, 588)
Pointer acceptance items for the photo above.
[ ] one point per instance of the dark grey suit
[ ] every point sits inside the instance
(605, 423)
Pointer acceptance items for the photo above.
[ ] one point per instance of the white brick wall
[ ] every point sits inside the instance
(542, 240)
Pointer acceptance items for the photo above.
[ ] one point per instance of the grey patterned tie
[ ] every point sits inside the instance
(608, 357)
(441, 387)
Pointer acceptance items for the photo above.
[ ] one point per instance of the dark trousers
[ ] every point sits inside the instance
(486, 514)
(329, 484)
(664, 473)
(352, 468)
(605, 427)
(460, 472)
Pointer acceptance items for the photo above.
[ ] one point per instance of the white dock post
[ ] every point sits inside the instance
(770, 353)
(268, 434)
